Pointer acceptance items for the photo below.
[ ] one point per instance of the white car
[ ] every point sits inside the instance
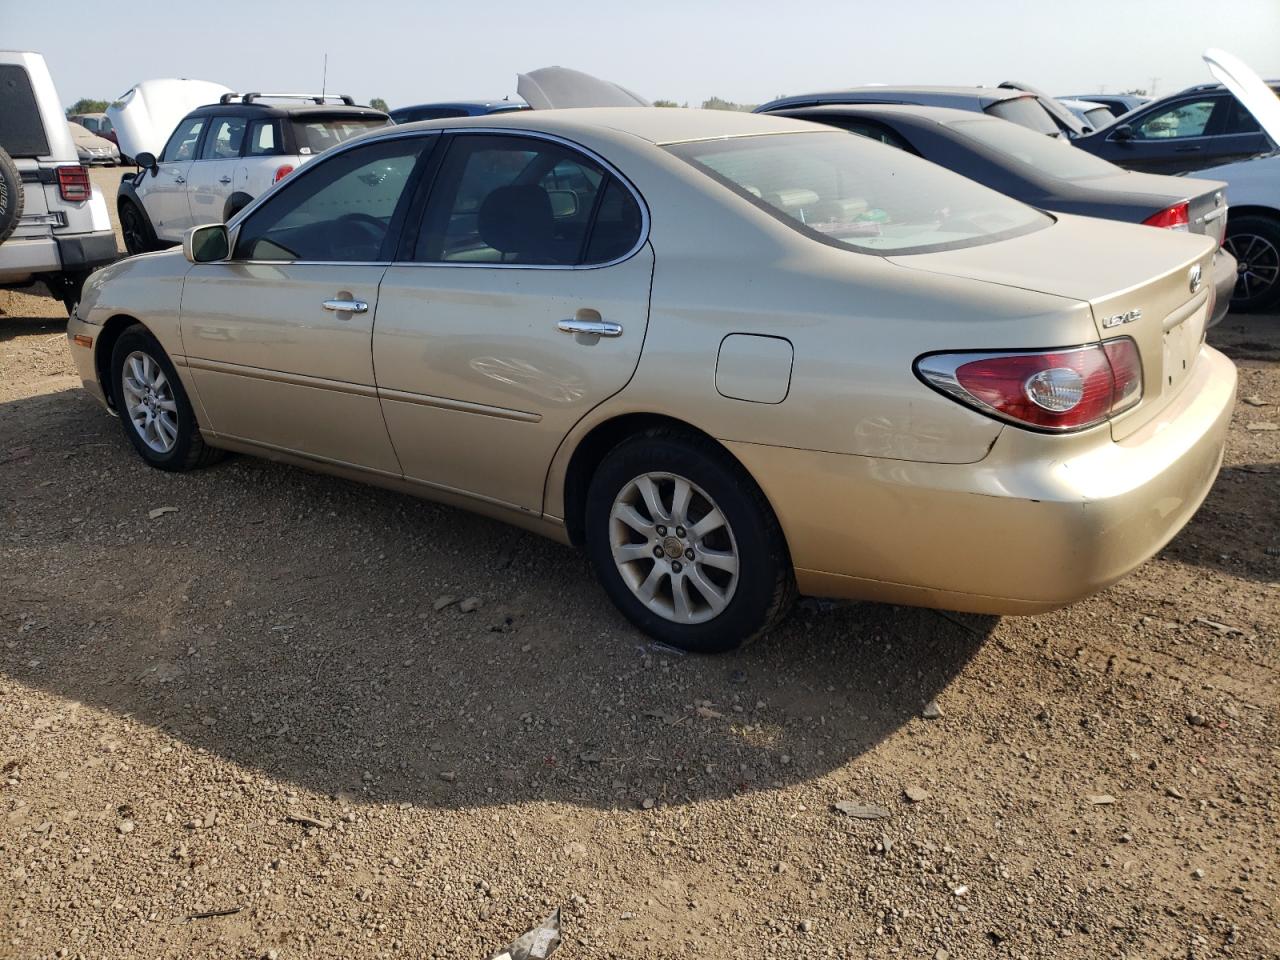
(223, 155)
(1253, 186)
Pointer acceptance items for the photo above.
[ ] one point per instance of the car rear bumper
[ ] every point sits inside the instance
(23, 259)
(1040, 523)
(1224, 283)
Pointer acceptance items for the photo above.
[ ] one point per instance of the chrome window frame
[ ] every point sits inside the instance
(233, 225)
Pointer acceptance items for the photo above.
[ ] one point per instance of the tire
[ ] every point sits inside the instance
(139, 237)
(11, 196)
(173, 443)
(1254, 240)
(737, 605)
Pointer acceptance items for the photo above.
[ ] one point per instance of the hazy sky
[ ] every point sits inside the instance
(746, 50)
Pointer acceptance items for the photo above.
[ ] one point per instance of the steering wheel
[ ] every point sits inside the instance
(377, 229)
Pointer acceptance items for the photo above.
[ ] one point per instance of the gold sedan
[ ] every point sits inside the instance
(735, 357)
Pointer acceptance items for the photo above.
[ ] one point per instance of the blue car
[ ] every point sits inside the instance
(460, 108)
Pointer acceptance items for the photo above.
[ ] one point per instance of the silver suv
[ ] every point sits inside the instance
(54, 226)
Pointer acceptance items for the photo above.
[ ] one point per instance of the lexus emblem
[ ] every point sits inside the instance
(1195, 279)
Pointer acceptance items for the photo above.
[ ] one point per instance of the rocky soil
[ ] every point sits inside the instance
(253, 727)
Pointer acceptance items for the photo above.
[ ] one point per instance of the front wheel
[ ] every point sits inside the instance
(1255, 243)
(138, 235)
(685, 544)
(154, 410)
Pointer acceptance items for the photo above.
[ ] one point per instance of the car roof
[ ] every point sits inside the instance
(257, 109)
(657, 125)
(888, 93)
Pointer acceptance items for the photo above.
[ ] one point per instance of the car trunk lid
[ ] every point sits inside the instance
(1134, 287)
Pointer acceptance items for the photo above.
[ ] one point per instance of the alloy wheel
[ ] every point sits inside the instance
(149, 401)
(673, 547)
(1257, 264)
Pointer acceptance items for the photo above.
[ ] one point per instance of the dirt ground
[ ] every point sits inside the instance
(252, 705)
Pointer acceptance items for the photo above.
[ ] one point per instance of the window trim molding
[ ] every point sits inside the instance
(233, 226)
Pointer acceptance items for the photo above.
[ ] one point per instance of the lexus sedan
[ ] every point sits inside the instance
(734, 357)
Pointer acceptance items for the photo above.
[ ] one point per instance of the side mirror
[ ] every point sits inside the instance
(1122, 132)
(147, 161)
(208, 243)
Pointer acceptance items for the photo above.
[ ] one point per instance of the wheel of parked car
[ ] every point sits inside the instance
(138, 235)
(1254, 240)
(685, 543)
(154, 409)
(10, 195)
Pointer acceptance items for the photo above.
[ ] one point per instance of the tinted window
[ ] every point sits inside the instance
(872, 131)
(340, 210)
(264, 139)
(317, 134)
(1026, 112)
(1055, 158)
(1241, 120)
(1187, 119)
(21, 130)
(849, 191)
(523, 200)
(223, 141)
(182, 145)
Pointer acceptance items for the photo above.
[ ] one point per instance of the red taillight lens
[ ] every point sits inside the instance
(1177, 217)
(282, 171)
(1055, 390)
(73, 184)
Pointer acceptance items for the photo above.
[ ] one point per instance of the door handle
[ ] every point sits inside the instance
(224, 179)
(1186, 149)
(179, 178)
(598, 328)
(346, 306)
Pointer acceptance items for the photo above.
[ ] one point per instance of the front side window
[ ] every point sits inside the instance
(224, 139)
(340, 211)
(524, 200)
(851, 192)
(1188, 119)
(182, 145)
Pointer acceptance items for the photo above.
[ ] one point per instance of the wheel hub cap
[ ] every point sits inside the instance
(673, 548)
(149, 401)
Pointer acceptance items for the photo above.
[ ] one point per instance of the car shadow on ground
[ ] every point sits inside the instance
(288, 623)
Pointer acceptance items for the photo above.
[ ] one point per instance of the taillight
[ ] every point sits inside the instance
(1055, 390)
(1177, 217)
(73, 184)
(282, 171)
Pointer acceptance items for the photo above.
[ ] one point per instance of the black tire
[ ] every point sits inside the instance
(188, 449)
(765, 587)
(11, 196)
(1254, 240)
(139, 237)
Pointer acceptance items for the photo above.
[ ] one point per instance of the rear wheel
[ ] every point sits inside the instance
(154, 410)
(1254, 240)
(685, 544)
(138, 235)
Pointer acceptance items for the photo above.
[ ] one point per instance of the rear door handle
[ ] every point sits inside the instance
(1187, 149)
(599, 328)
(179, 178)
(224, 179)
(346, 306)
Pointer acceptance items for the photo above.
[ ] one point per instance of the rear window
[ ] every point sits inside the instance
(317, 134)
(1098, 117)
(852, 192)
(1055, 158)
(21, 131)
(1026, 112)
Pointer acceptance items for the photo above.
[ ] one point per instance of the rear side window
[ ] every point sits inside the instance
(182, 145)
(1026, 112)
(21, 130)
(224, 139)
(1241, 120)
(525, 201)
(264, 139)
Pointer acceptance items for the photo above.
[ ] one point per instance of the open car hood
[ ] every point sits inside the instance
(145, 115)
(553, 87)
(1248, 88)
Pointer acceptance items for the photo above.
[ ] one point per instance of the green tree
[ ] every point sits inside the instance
(379, 104)
(85, 105)
(665, 103)
(719, 103)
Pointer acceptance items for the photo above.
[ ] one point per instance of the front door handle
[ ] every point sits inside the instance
(179, 178)
(598, 328)
(224, 179)
(346, 306)
(1186, 149)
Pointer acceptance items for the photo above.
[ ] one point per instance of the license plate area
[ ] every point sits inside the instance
(1181, 347)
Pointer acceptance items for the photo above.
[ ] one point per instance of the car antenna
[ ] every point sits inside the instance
(324, 76)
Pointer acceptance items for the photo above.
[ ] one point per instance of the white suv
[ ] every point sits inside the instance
(54, 226)
(223, 155)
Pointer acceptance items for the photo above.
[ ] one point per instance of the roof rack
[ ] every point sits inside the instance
(314, 97)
